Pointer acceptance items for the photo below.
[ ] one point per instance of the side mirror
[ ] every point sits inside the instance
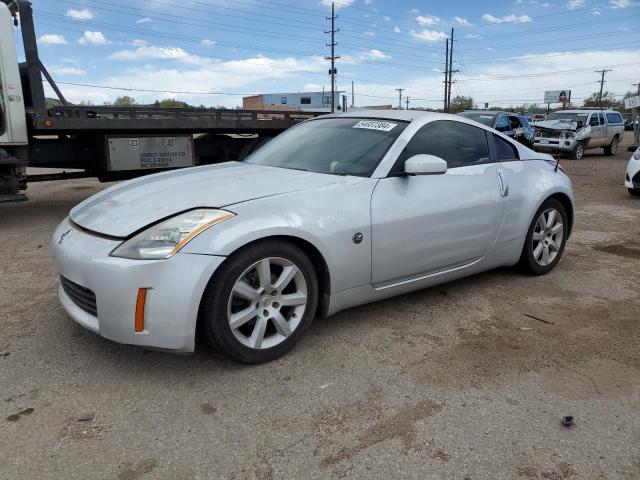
(425, 165)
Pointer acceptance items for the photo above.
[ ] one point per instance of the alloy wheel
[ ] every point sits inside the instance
(547, 237)
(267, 303)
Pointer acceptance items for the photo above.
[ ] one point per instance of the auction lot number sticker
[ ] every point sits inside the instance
(375, 125)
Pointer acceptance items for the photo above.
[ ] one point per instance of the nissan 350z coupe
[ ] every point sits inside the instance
(335, 212)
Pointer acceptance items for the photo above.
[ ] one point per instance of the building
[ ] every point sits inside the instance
(305, 101)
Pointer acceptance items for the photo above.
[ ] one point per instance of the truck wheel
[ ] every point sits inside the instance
(612, 148)
(578, 152)
(634, 191)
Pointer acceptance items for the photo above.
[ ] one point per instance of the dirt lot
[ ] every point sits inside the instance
(458, 381)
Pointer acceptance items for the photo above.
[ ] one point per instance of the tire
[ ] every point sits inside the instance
(260, 334)
(612, 148)
(537, 262)
(634, 191)
(578, 152)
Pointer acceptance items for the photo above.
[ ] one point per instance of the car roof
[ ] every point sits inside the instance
(406, 115)
(586, 110)
(486, 112)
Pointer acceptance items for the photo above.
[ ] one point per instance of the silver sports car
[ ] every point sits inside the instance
(335, 212)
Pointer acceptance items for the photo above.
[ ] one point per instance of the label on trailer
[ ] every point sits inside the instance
(148, 153)
(375, 125)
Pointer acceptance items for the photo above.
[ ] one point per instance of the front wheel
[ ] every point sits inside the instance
(612, 148)
(545, 239)
(634, 191)
(578, 152)
(262, 300)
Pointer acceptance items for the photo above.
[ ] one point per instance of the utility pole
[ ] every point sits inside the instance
(400, 90)
(450, 71)
(353, 95)
(603, 71)
(634, 115)
(407, 101)
(446, 75)
(333, 57)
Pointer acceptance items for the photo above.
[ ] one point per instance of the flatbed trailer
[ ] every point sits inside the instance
(107, 142)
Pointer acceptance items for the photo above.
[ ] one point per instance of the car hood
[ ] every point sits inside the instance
(557, 125)
(123, 209)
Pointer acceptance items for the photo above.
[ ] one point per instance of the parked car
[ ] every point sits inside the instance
(333, 213)
(574, 131)
(632, 177)
(514, 125)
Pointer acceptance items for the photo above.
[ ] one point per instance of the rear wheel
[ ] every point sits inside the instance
(612, 148)
(578, 152)
(259, 304)
(545, 239)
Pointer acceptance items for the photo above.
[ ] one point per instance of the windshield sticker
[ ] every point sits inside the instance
(375, 125)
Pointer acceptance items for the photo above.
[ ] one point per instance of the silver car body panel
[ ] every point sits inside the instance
(417, 231)
(127, 207)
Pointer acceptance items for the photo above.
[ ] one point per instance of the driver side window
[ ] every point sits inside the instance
(594, 122)
(457, 143)
(503, 124)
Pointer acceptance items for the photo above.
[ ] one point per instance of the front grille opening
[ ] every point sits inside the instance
(81, 296)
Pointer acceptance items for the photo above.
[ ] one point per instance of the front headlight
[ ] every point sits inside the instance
(167, 238)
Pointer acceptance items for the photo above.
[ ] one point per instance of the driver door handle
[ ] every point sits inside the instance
(504, 186)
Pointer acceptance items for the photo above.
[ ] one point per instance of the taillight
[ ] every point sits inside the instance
(553, 163)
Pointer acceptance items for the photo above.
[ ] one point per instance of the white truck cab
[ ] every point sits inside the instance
(13, 121)
(574, 131)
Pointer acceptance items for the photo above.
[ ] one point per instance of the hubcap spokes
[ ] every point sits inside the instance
(267, 303)
(547, 237)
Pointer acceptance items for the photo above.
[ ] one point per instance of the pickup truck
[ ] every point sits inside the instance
(574, 131)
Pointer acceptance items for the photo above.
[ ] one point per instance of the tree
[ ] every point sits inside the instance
(124, 101)
(170, 103)
(460, 103)
(608, 101)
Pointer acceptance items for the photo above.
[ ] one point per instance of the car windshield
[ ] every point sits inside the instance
(482, 117)
(570, 116)
(339, 146)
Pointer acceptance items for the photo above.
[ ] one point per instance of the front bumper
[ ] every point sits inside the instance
(554, 144)
(175, 287)
(632, 176)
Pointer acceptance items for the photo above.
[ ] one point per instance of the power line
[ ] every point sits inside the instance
(219, 25)
(535, 56)
(130, 89)
(525, 32)
(151, 33)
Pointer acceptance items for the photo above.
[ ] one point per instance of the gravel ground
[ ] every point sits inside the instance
(458, 381)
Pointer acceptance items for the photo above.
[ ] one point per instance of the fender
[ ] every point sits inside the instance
(328, 218)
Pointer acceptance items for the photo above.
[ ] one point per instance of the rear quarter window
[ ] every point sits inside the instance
(614, 118)
(504, 150)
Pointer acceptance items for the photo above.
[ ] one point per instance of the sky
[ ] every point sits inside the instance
(212, 52)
